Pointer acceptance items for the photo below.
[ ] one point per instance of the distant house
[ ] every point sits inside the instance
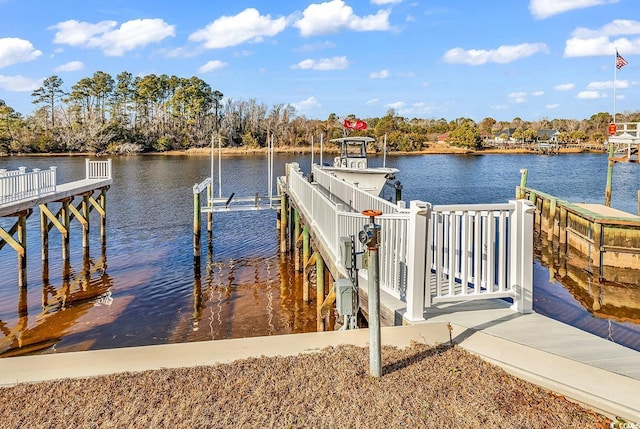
(548, 136)
(506, 136)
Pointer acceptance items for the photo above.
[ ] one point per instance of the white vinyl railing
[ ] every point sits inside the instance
(98, 169)
(351, 195)
(433, 254)
(18, 185)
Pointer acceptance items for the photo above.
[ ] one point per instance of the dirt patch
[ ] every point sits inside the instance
(421, 386)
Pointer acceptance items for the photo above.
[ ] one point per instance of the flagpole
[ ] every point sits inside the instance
(615, 70)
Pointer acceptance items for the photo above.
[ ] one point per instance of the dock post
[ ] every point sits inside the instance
(196, 226)
(296, 248)
(85, 222)
(101, 207)
(66, 226)
(209, 213)
(305, 257)
(283, 223)
(21, 235)
(607, 191)
(598, 238)
(551, 220)
(523, 183)
(320, 291)
(44, 234)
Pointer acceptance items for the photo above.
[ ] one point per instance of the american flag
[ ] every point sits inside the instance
(620, 62)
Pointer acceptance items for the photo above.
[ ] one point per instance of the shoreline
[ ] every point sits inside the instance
(235, 151)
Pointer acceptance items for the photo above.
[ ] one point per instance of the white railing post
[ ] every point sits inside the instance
(419, 216)
(87, 168)
(36, 181)
(521, 251)
(109, 169)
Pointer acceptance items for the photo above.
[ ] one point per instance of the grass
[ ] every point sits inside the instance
(421, 386)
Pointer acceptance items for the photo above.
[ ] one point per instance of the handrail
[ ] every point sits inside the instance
(98, 169)
(432, 254)
(21, 185)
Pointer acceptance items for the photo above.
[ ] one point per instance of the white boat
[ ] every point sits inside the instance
(352, 165)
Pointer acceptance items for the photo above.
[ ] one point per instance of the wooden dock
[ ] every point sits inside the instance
(21, 192)
(606, 237)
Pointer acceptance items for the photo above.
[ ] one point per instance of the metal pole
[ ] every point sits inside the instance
(371, 238)
(219, 168)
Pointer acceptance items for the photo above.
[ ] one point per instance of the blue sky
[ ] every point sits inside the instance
(531, 59)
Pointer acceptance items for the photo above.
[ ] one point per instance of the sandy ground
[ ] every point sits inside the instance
(421, 387)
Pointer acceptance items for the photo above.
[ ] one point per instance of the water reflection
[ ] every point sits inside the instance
(575, 292)
(61, 307)
(238, 298)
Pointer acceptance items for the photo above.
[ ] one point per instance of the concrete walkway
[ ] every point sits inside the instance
(578, 365)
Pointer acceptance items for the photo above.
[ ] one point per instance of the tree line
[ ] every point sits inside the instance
(152, 113)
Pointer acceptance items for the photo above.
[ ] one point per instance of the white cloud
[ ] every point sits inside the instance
(537, 93)
(373, 101)
(75, 33)
(307, 105)
(19, 83)
(564, 87)
(313, 47)
(541, 9)
(70, 66)
(211, 66)
(620, 34)
(333, 16)
(397, 105)
(599, 86)
(382, 74)
(113, 41)
(590, 95)
(324, 64)
(552, 106)
(502, 55)
(14, 51)
(518, 97)
(247, 26)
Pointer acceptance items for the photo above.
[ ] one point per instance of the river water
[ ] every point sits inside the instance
(141, 288)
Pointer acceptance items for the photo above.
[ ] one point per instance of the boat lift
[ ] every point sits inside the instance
(232, 202)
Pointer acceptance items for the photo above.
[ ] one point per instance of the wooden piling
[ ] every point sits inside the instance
(66, 223)
(296, 240)
(22, 252)
(196, 226)
(305, 258)
(103, 216)
(283, 223)
(320, 291)
(551, 220)
(607, 191)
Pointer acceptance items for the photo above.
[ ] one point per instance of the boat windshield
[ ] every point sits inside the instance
(354, 150)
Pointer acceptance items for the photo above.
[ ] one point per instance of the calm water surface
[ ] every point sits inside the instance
(148, 294)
